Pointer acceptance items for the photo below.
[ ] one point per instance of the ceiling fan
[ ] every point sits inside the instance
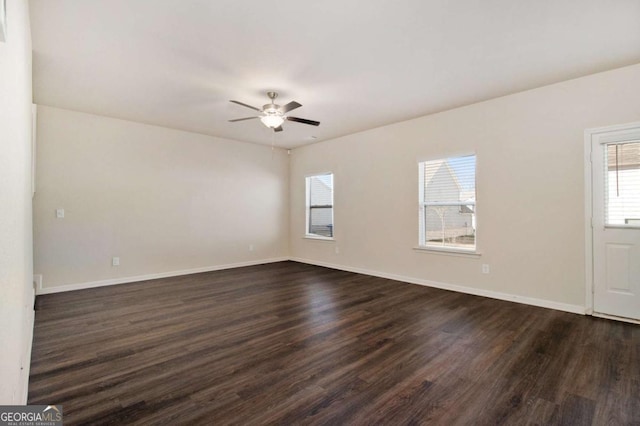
(273, 115)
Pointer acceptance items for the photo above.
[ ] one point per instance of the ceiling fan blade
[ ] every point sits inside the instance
(278, 129)
(303, 120)
(242, 119)
(290, 106)
(245, 105)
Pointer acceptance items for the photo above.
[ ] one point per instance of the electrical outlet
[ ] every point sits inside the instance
(60, 213)
(251, 248)
(337, 250)
(485, 268)
(115, 261)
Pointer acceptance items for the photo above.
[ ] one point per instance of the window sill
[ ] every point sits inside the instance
(448, 251)
(622, 227)
(318, 238)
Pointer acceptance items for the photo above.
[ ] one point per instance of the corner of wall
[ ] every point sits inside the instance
(16, 238)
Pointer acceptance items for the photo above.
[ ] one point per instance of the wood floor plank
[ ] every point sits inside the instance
(288, 343)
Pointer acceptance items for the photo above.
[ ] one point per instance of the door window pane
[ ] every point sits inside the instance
(622, 184)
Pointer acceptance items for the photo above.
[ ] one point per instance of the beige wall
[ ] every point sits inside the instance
(162, 200)
(530, 189)
(16, 288)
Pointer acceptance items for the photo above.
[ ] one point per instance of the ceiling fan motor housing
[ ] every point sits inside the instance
(271, 109)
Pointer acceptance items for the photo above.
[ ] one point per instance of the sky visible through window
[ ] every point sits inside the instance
(326, 179)
(465, 170)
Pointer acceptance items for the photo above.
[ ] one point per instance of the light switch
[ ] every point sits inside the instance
(60, 213)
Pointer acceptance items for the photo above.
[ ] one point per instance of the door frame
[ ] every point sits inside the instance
(589, 136)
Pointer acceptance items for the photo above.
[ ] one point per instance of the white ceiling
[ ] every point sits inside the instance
(352, 64)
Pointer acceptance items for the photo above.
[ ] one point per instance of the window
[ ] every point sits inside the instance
(448, 203)
(622, 184)
(320, 205)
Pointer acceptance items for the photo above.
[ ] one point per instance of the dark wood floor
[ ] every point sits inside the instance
(288, 343)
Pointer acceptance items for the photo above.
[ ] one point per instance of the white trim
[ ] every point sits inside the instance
(25, 361)
(21, 391)
(125, 280)
(318, 174)
(34, 145)
(422, 203)
(621, 226)
(449, 251)
(421, 229)
(450, 154)
(307, 197)
(613, 317)
(3, 21)
(614, 128)
(588, 223)
(318, 238)
(576, 309)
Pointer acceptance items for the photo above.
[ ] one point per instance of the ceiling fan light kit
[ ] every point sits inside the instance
(273, 115)
(272, 121)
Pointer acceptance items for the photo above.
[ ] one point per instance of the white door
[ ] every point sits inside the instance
(615, 169)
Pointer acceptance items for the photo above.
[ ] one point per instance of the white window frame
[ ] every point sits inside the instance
(422, 244)
(308, 207)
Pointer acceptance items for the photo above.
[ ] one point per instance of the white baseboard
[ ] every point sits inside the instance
(576, 309)
(124, 280)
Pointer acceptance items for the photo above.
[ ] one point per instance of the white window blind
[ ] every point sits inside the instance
(622, 184)
(320, 205)
(448, 203)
